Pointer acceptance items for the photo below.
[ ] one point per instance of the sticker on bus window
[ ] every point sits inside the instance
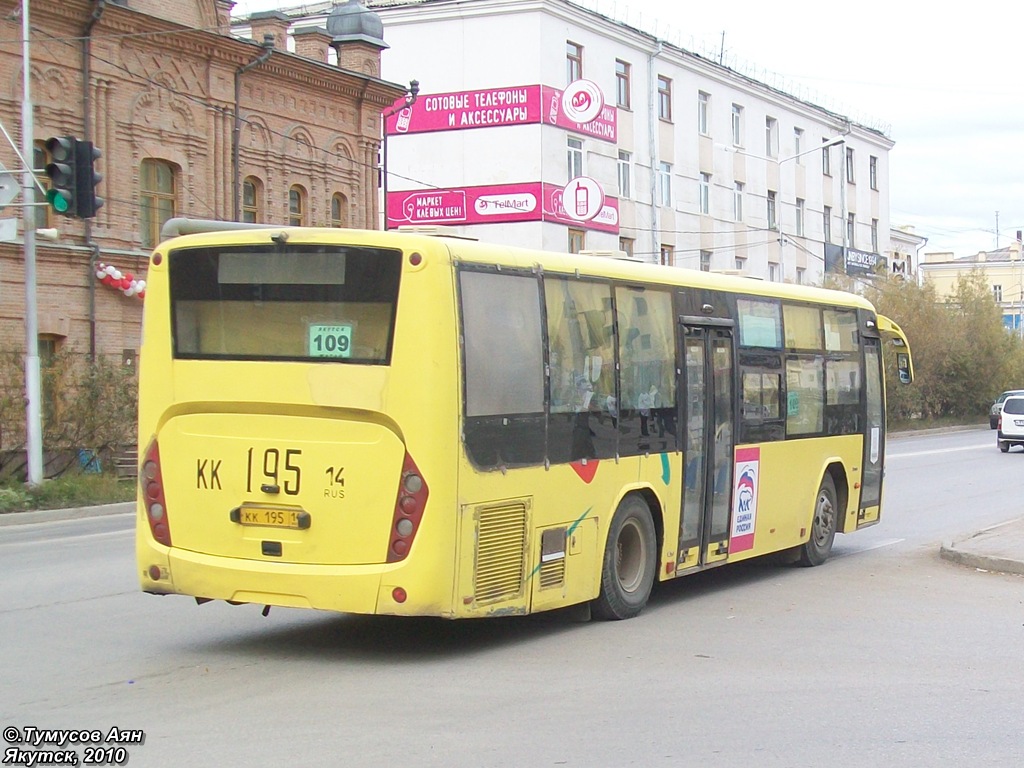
(330, 341)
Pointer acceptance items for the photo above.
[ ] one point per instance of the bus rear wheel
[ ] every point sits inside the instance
(823, 527)
(630, 560)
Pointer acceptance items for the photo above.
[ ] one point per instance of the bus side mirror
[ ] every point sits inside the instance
(903, 366)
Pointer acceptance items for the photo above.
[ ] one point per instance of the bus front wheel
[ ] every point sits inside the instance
(823, 527)
(630, 560)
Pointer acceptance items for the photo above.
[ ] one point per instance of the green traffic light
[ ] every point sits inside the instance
(58, 199)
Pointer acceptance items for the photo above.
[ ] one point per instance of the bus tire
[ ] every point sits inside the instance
(823, 527)
(630, 561)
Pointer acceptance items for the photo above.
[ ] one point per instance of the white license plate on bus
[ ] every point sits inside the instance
(274, 517)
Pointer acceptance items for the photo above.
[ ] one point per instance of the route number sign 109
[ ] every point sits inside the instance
(330, 341)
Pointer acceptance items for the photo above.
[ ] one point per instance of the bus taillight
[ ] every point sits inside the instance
(152, 487)
(412, 498)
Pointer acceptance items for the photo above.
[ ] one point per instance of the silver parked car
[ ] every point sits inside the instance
(993, 414)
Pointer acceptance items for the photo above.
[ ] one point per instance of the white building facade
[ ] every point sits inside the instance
(545, 124)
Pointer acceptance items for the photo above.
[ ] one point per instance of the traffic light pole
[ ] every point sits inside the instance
(33, 390)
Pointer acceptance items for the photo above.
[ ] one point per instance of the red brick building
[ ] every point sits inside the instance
(191, 122)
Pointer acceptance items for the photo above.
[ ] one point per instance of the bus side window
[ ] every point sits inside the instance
(647, 411)
(581, 361)
(503, 369)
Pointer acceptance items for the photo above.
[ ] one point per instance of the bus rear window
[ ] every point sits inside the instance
(285, 302)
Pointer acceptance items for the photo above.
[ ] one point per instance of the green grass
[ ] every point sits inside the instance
(78, 490)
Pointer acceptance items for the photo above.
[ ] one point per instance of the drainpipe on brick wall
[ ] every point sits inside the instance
(97, 11)
(236, 131)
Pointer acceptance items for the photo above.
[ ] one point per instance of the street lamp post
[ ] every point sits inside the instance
(827, 144)
(407, 102)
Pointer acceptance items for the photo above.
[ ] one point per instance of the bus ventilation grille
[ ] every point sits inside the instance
(552, 574)
(500, 552)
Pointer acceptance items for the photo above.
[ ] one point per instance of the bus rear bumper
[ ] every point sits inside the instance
(342, 588)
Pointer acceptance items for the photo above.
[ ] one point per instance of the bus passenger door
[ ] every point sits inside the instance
(707, 415)
(874, 436)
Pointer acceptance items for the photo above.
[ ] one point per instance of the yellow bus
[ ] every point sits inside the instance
(410, 424)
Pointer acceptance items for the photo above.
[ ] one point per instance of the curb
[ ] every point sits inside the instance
(71, 513)
(981, 562)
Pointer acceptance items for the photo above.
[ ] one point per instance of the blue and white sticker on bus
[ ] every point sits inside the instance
(744, 505)
(330, 340)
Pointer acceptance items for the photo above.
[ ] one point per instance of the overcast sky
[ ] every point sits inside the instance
(944, 79)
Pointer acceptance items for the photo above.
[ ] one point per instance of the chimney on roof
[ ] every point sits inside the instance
(224, 16)
(357, 34)
(312, 42)
(274, 22)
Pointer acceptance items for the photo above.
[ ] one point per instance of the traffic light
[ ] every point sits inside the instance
(62, 172)
(73, 178)
(86, 179)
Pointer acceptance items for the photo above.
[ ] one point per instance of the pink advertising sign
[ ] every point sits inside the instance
(530, 201)
(516, 105)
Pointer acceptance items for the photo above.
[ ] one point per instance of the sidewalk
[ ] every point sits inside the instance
(71, 513)
(999, 548)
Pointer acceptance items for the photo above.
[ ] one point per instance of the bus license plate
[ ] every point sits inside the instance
(273, 518)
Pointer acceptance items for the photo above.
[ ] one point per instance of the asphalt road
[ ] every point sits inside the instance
(886, 655)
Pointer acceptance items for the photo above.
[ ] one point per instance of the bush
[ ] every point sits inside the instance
(90, 404)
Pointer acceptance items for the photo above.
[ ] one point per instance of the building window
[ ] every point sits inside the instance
(737, 201)
(873, 171)
(40, 158)
(997, 293)
(800, 209)
(737, 125)
(741, 263)
(664, 98)
(577, 240)
(850, 230)
(874, 235)
(801, 275)
(252, 200)
(626, 246)
(771, 137)
(772, 221)
(850, 176)
(703, 112)
(666, 256)
(705, 261)
(573, 62)
(705, 193)
(575, 157)
(826, 159)
(339, 210)
(826, 224)
(297, 208)
(157, 199)
(665, 184)
(625, 174)
(622, 84)
(773, 272)
(798, 145)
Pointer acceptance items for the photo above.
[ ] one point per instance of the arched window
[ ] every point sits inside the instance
(252, 200)
(339, 210)
(297, 211)
(157, 199)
